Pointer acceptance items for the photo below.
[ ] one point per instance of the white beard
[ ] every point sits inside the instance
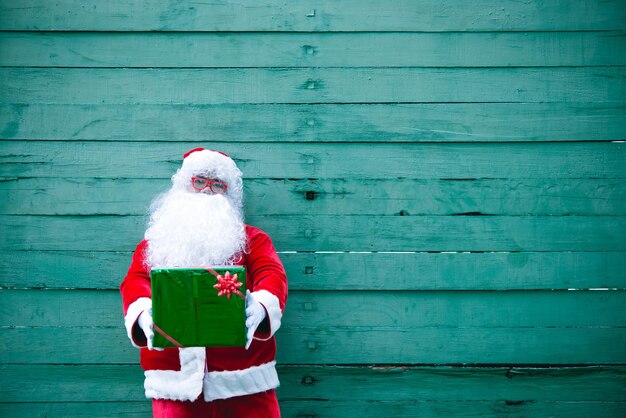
(189, 229)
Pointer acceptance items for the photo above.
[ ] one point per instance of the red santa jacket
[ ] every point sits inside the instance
(217, 373)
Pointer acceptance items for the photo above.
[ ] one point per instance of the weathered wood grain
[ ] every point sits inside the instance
(356, 409)
(134, 409)
(327, 15)
(347, 345)
(344, 49)
(124, 383)
(370, 271)
(131, 86)
(418, 408)
(73, 159)
(343, 116)
(396, 383)
(97, 196)
(443, 122)
(402, 310)
(340, 233)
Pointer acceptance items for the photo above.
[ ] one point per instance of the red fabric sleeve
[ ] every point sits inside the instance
(136, 284)
(264, 267)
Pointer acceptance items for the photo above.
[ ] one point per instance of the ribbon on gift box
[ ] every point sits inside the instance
(226, 284)
(166, 336)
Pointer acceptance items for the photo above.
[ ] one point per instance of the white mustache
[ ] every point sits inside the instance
(193, 229)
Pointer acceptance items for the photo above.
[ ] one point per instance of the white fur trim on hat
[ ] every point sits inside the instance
(229, 383)
(134, 310)
(183, 385)
(272, 306)
(211, 164)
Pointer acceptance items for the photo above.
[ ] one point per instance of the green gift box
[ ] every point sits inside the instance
(199, 307)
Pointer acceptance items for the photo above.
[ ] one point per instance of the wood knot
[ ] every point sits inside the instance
(510, 373)
(308, 49)
(308, 380)
(515, 403)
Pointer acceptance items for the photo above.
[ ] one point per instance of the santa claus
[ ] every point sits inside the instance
(199, 222)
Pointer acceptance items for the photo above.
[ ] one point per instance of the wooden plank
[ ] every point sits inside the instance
(384, 309)
(96, 196)
(68, 383)
(311, 85)
(484, 122)
(134, 409)
(406, 310)
(443, 122)
(439, 383)
(67, 346)
(340, 233)
(293, 49)
(420, 409)
(357, 409)
(72, 159)
(347, 345)
(451, 345)
(312, 408)
(318, 271)
(84, 383)
(326, 15)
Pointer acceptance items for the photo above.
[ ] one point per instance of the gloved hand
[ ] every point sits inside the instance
(255, 314)
(145, 322)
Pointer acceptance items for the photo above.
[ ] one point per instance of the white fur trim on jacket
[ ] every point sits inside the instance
(181, 385)
(272, 306)
(226, 384)
(134, 310)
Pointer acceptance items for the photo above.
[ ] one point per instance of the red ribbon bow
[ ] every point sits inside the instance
(228, 285)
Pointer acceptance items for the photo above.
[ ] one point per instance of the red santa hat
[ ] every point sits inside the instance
(202, 149)
(210, 163)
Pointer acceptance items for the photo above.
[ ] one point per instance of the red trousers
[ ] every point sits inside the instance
(257, 405)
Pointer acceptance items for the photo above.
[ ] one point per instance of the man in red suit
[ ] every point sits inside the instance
(199, 222)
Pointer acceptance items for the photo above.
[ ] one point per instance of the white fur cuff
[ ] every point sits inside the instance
(134, 310)
(181, 385)
(272, 306)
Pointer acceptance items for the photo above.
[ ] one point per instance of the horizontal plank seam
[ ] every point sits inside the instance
(365, 67)
(351, 328)
(335, 252)
(322, 143)
(572, 102)
(300, 289)
(377, 366)
(296, 67)
(312, 32)
(355, 216)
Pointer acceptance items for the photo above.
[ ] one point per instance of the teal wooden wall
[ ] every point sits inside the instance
(443, 178)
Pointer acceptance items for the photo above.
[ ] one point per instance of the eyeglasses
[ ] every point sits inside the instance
(216, 186)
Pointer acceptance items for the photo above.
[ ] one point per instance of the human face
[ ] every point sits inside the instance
(208, 185)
